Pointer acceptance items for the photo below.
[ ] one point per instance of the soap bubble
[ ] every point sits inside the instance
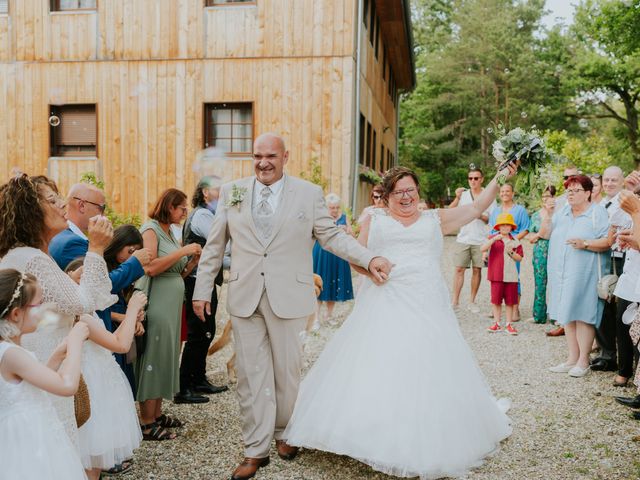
(213, 162)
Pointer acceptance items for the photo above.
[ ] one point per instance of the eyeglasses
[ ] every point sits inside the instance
(376, 196)
(571, 191)
(100, 207)
(401, 193)
(473, 178)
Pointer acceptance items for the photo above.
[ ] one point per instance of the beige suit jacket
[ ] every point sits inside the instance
(282, 264)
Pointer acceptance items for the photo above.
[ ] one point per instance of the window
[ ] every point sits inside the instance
(368, 156)
(365, 13)
(229, 126)
(64, 5)
(4, 6)
(373, 150)
(381, 167)
(214, 3)
(73, 130)
(376, 40)
(372, 22)
(361, 158)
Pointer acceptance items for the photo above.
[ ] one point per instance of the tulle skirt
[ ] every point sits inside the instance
(112, 432)
(398, 388)
(34, 445)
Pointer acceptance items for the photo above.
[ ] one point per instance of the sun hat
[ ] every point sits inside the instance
(505, 219)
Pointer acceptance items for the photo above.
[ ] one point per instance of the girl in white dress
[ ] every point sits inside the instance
(34, 442)
(112, 432)
(433, 415)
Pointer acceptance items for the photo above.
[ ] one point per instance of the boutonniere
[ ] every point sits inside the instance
(237, 195)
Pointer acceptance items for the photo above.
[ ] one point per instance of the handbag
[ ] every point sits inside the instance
(606, 283)
(82, 403)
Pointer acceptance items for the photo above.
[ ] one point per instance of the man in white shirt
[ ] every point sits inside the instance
(469, 240)
(612, 185)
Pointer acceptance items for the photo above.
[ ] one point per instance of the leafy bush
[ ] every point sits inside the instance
(116, 218)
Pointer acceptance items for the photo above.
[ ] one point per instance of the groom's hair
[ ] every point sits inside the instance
(394, 175)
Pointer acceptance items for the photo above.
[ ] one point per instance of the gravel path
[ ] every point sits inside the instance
(564, 428)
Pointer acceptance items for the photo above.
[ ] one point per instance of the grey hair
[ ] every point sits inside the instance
(332, 199)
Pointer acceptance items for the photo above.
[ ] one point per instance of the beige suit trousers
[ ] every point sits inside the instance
(269, 367)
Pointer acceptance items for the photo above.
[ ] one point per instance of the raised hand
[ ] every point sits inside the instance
(79, 333)
(459, 191)
(629, 203)
(100, 233)
(193, 249)
(137, 301)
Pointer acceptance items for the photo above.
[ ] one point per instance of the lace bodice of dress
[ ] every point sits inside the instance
(415, 250)
(20, 396)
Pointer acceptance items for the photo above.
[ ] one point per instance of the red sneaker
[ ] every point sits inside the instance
(510, 330)
(494, 328)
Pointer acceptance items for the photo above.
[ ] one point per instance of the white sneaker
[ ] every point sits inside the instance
(578, 372)
(562, 368)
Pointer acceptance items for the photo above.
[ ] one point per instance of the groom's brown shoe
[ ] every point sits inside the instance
(286, 451)
(248, 468)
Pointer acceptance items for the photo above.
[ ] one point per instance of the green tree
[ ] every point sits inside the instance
(605, 72)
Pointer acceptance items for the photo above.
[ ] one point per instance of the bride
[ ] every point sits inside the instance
(397, 387)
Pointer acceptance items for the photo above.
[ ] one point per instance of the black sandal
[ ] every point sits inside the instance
(168, 422)
(118, 469)
(156, 432)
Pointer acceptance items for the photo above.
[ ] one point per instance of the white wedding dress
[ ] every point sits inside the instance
(397, 387)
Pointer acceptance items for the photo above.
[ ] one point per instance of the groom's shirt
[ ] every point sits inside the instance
(273, 199)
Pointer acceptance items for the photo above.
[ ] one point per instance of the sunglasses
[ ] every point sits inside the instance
(376, 196)
(473, 178)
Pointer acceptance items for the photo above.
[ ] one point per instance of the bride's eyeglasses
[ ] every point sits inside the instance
(401, 193)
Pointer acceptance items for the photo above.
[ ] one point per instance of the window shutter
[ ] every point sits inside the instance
(77, 126)
(4, 6)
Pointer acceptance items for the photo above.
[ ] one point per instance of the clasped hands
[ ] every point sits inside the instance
(379, 268)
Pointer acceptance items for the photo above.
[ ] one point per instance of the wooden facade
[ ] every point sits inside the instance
(151, 66)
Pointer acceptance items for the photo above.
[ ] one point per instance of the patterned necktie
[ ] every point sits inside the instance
(263, 214)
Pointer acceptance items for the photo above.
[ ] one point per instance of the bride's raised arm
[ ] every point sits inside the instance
(451, 219)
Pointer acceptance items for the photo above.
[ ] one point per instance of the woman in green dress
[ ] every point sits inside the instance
(540, 252)
(156, 370)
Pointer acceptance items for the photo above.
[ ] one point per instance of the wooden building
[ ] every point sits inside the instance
(134, 89)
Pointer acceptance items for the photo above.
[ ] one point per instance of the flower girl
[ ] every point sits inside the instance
(112, 432)
(34, 441)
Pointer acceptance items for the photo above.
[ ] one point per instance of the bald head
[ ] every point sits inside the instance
(269, 158)
(85, 201)
(612, 181)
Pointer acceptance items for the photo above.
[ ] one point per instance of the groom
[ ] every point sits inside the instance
(272, 221)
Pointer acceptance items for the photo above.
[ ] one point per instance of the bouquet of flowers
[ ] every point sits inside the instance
(527, 147)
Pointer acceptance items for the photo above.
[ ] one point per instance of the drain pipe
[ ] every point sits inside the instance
(356, 111)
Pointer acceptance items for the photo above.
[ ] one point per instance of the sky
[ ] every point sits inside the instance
(559, 8)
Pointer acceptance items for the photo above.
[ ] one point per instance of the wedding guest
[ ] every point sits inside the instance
(504, 251)
(34, 442)
(596, 195)
(335, 272)
(522, 221)
(157, 369)
(376, 199)
(577, 239)
(193, 378)
(84, 202)
(111, 433)
(631, 239)
(540, 253)
(124, 253)
(612, 184)
(31, 214)
(470, 239)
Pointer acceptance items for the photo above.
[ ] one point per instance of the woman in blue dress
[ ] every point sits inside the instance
(577, 241)
(335, 272)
